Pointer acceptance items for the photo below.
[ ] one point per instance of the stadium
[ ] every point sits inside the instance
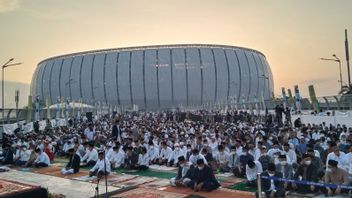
(155, 77)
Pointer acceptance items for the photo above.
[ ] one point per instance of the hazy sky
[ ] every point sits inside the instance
(293, 34)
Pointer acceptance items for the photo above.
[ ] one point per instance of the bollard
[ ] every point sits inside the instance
(259, 183)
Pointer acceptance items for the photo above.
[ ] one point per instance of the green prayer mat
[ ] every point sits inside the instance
(242, 187)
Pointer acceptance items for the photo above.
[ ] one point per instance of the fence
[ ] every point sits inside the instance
(327, 103)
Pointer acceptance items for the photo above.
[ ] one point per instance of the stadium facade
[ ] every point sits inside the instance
(156, 77)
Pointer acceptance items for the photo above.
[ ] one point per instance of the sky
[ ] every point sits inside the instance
(293, 34)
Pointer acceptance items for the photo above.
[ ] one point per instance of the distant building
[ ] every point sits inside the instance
(156, 77)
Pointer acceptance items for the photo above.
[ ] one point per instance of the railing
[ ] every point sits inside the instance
(327, 103)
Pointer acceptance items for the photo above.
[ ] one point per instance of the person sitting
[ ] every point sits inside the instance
(195, 156)
(165, 154)
(335, 175)
(7, 155)
(203, 178)
(153, 152)
(177, 152)
(32, 156)
(265, 159)
(23, 157)
(306, 171)
(73, 164)
(209, 157)
(143, 160)
(272, 188)
(285, 168)
(101, 168)
(48, 151)
(234, 159)
(117, 158)
(244, 159)
(184, 173)
(91, 156)
(131, 158)
(42, 159)
(252, 169)
(222, 159)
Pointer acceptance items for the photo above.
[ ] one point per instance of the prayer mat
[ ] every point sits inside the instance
(242, 187)
(120, 178)
(224, 175)
(148, 173)
(228, 182)
(147, 193)
(219, 193)
(134, 182)
(157, 184)
(162, 168)
(46, 169)
(17, 189)
(67, 176)
(85, 178)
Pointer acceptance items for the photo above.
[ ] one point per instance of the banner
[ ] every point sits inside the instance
(313, 98)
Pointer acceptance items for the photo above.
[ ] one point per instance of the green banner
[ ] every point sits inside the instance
(313, 98)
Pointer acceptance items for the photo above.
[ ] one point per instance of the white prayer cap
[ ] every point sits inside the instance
(176, 144)
(181, 143)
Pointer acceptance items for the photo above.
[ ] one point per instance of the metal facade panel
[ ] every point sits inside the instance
(208, 75)
(234, 71)
(55, 80)
(98, 78)
(194, 76)
(39, 80)
(110, 77)
(165, 89)
(156, 78)
(246, 84)
(151, 79)
(266, 77)
(271, 78)
(34, 82)
(86, 79)
(222, 75)
(75, 76)
(123, 79)
(261, 76)
(47, 79)
(179, 77)
(137, 78)
(65, 78)
(254, 75)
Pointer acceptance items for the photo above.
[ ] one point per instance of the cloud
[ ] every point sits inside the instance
(9, 5)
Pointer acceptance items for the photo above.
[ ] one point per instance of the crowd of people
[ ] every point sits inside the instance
(200, 144)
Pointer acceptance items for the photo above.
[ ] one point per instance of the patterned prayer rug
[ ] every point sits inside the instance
(120, 178)
(219, 193)
(148, 193)
(134, 182)
(9, 187)
(162, 168)
(157, 184)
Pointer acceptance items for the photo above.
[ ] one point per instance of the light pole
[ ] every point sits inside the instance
(3, 85)
(335, 60)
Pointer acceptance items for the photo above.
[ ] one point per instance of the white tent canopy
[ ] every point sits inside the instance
(72, 105)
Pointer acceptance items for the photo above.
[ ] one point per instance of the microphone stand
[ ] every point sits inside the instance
(106, 177)
(97, 188)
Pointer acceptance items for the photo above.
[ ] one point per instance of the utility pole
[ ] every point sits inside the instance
(347, 59)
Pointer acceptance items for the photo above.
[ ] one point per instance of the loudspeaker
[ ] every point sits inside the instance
(89, 116)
